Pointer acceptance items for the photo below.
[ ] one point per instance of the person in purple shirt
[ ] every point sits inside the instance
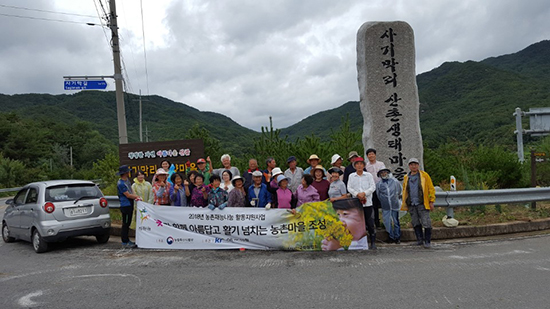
(322, 185)
(306, 193)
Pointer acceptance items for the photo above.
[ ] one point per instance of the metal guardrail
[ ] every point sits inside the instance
(10, 189)
(450, 199)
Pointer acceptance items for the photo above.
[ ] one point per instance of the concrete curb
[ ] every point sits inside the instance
(448, 233)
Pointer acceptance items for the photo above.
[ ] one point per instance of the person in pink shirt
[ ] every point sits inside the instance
(306, 193)
(283, 197)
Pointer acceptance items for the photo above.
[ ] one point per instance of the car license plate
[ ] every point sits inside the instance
(78, 211)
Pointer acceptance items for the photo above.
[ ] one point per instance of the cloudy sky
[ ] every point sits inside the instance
(248, 59)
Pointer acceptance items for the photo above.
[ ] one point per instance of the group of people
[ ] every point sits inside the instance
(369, 181)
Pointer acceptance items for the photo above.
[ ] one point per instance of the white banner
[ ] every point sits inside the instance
(316, 226)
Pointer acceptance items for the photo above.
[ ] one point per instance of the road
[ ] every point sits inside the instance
(504, 273)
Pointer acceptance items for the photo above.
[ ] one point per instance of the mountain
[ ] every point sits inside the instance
(165, 119)
(464, 101)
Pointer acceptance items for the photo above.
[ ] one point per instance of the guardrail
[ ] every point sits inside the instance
(451, 199)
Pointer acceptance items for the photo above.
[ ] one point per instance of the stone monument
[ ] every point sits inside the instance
(389, 95)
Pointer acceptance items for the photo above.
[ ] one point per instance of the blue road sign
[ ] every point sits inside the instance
(85, 84)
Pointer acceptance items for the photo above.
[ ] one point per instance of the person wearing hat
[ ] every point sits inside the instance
(319, 182)
(350, 213)
(336, 161)
(389, 191)
(205, 168)
(350, 169)
(258, 196)
(313, 161)
(293, 173)
(283, 197)
(161, 188)
(418, 200)
(361, 185)
(126, 198)
(337, 189)
(237, 196)
(274, 184)
(373, 166)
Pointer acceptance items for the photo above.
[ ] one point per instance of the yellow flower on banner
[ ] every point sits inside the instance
(315, 222)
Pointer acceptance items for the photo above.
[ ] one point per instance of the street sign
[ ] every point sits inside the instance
(540, 154)
(85, 84)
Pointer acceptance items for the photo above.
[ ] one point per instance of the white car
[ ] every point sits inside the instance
(51, 211)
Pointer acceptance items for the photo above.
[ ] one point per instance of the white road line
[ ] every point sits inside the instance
(26, 300)
(109, 275)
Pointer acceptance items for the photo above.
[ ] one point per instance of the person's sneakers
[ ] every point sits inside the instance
(129, 244)
(398, 241)
(427, 245)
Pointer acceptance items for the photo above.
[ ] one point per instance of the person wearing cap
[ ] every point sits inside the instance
(126, 198)
(237, 196)
(161, 188)
(361, 185)
(306, 193)
(226, 162)
(258, 196)
(389, 190)
(418, 200)
(252, 167)
(350, 213)
(337, 189)
(283, 197)
(293, 173)
(205, 168)
(313, 161)
(350, 169)
(336, 161)
(319, 182)
(270, 165)
(274, 184)
(373, 166)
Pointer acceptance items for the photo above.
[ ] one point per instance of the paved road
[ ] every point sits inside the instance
(505, 273)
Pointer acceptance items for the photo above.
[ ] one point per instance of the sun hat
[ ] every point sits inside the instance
(281, 178)
(276, 171)
(317, 167)
(359, 159)
(335, 158)
(335, 170)
(383, 170)
(201, 160)
(161, 171)
(235, 179)
(257, 174)
(123, 170)
(290, 159)
(352, 154)
(414, 160)
(313, 157)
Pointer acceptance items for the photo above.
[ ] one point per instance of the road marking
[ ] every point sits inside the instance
(491, 255)
(26, 300)
(109, 275)
(542, 268)
(447, 299)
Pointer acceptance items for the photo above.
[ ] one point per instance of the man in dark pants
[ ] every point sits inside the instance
(418, 200)
(373, 167)
(126, 198)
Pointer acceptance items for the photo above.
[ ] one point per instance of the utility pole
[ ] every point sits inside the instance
(140, 117)
(121, 112)
(147, 134)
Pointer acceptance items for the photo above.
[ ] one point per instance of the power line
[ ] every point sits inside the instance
(44, 11)
(144, 51)
(103, 24)
(50, 19)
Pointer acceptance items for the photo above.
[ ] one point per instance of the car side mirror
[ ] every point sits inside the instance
(9, 202)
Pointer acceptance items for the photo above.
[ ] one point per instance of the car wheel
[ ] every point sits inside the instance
(6, 233)
(38, 243)
(102, 238)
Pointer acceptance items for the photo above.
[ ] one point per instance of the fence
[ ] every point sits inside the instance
(451, 199)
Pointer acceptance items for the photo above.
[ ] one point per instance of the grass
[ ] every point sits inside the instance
(490, 214)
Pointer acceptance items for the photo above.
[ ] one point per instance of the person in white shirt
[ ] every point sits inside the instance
(361, 185)
(373, 167)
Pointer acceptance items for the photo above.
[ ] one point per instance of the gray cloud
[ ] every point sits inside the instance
(252, 59)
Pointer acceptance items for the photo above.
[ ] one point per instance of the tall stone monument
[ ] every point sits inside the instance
(388, 92)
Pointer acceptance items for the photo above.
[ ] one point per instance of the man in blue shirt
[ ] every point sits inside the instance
(126, 198)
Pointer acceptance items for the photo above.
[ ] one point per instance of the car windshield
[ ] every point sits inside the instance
(72, 192)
